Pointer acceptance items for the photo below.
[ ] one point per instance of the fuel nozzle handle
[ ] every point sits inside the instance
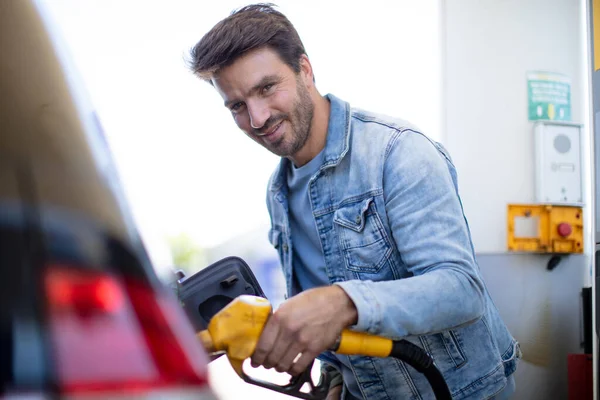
(237, 327)
(236, 330)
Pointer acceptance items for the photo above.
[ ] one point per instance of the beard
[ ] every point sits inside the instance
(300, 121)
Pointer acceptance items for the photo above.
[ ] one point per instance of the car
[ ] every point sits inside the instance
(83, 314)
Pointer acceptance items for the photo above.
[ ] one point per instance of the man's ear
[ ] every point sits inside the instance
(306, 71)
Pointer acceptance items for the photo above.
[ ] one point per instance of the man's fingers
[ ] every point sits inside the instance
(302, 363)
(265, 343)
(287, 360)
(278, 350)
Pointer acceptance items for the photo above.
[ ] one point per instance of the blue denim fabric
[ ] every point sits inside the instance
(394, 237)
(508, 391)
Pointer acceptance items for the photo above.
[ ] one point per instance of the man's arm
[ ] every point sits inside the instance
(431, 233)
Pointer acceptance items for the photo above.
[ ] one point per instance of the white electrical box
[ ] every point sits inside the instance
(558, 163)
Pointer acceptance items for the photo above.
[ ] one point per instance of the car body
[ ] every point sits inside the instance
(82, 313)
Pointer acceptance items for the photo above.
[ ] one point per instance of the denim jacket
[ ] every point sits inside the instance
(394, 237)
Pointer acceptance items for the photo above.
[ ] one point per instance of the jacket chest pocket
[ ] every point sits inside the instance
(363, 242)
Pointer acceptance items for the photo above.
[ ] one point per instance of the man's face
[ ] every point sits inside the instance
(268, 101)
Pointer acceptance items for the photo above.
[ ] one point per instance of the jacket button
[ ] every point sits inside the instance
(358, 219)
(285, 247)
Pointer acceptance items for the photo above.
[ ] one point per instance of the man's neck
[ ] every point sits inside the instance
(317, 137)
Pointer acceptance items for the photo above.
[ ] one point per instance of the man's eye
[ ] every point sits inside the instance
(236, 106)
(267, 88)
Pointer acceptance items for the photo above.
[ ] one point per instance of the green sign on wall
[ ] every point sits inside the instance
(549, 96)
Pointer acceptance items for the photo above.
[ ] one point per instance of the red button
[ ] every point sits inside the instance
(564, 229)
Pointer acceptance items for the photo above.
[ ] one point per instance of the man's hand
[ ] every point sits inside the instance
(303, 327)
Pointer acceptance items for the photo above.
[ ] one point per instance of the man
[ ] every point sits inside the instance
(367, 222)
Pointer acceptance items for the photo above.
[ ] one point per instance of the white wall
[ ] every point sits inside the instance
(489, 46)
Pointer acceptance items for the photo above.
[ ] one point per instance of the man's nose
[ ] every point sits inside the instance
(259, 114)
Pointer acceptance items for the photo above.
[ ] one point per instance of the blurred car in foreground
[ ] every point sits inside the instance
(82, 312)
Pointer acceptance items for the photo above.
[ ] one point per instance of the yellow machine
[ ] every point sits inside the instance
(543, 228)
(236, 329)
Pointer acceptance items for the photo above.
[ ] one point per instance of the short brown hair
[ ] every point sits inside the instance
(249, 28)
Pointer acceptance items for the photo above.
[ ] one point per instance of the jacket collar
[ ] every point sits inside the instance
(336, 145)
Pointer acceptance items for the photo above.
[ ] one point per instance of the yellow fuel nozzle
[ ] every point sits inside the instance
(236, 329)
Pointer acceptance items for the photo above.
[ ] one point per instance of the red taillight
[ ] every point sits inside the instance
(82, 292)
(112, 334)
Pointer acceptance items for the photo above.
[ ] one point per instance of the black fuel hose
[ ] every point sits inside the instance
(417, 358)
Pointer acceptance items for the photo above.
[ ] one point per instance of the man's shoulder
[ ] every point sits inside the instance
(391, 132)
(369, 120)
(380, 130)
